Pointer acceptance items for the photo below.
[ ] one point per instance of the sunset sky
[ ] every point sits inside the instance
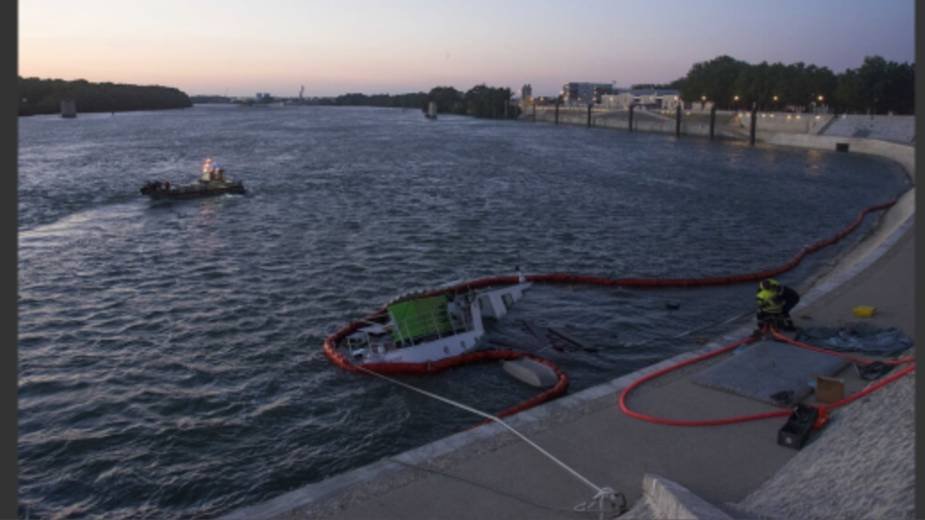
(238, 47)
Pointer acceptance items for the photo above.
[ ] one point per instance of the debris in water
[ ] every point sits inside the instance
(531, 372)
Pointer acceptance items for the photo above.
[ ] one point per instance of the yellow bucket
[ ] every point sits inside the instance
(864, 311)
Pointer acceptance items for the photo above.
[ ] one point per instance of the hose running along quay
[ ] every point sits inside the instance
(784, 412)
(330, 343)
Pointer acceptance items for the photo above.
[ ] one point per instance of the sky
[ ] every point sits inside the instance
(240, 47)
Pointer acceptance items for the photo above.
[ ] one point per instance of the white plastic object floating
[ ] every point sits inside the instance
(531, 372)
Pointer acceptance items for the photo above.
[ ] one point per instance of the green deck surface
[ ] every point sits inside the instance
(420, 318)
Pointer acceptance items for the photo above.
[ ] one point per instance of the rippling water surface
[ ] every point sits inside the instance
(170, 353)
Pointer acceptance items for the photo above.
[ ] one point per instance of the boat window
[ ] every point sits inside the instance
(488, 309)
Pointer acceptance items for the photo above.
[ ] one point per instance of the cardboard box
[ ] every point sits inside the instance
(829, 389)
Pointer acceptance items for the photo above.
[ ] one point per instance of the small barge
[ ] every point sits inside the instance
(212, 182)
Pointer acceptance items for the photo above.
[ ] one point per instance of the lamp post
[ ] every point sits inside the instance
(735, 103)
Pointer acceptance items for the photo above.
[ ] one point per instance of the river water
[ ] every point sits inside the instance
(170, 356)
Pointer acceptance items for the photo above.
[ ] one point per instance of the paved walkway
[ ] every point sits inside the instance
(886, 285)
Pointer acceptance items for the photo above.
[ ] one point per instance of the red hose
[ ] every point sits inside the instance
(683, 422)
(437, 366)
(624, 407)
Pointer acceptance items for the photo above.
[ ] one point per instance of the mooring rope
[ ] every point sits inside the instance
(603, 496)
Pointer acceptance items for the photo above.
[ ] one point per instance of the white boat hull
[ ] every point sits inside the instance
(493, 303)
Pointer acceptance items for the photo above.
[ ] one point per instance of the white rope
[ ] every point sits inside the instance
(603, 495)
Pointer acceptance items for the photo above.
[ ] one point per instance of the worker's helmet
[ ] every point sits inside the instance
(769, 284)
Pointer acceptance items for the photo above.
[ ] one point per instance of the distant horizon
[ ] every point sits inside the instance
(225, 48)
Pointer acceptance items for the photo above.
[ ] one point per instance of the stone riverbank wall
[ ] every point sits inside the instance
(732, 124)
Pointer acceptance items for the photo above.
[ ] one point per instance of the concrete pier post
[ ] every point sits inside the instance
(630, 124)
(68, 108)
(677, 122)
(589, 114)
(557, 111)
(754, 121)
(712, 120)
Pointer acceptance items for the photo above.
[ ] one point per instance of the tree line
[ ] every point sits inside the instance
(878, 86)
(479, 101)
(210, 99)
(43, 96)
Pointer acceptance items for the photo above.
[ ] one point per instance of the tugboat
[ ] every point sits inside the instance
(212, 182)
(422, 328)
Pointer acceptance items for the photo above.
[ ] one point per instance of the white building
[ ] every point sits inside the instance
(526, 95)
(650, 98)
(577, 92)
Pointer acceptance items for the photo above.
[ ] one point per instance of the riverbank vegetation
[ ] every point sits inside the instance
(479, 101)
(210, 99)
(878, 86)
(43, 96)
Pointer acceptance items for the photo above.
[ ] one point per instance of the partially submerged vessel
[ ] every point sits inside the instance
(212, 182)
(428, 328)
(427, 332)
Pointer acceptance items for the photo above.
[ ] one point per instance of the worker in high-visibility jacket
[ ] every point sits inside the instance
(774, 304)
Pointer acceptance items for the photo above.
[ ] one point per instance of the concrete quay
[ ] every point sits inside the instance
(732, 471)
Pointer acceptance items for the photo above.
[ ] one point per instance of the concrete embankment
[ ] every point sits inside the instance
(488, 473)
(736, 124)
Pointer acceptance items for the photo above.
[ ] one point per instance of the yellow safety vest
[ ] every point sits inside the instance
(768, 302)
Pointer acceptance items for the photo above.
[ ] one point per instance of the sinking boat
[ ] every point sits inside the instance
(211, 183)
(427, 328)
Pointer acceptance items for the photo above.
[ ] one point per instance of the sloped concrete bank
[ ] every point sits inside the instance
(395, 487)
(864, 466)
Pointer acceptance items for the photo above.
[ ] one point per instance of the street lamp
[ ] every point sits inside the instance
(821, 99)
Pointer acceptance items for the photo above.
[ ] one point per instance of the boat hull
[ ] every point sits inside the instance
(435, 350)
(372, 341)
(194, 191)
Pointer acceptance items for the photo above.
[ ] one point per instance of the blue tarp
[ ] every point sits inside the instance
(858, 337)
